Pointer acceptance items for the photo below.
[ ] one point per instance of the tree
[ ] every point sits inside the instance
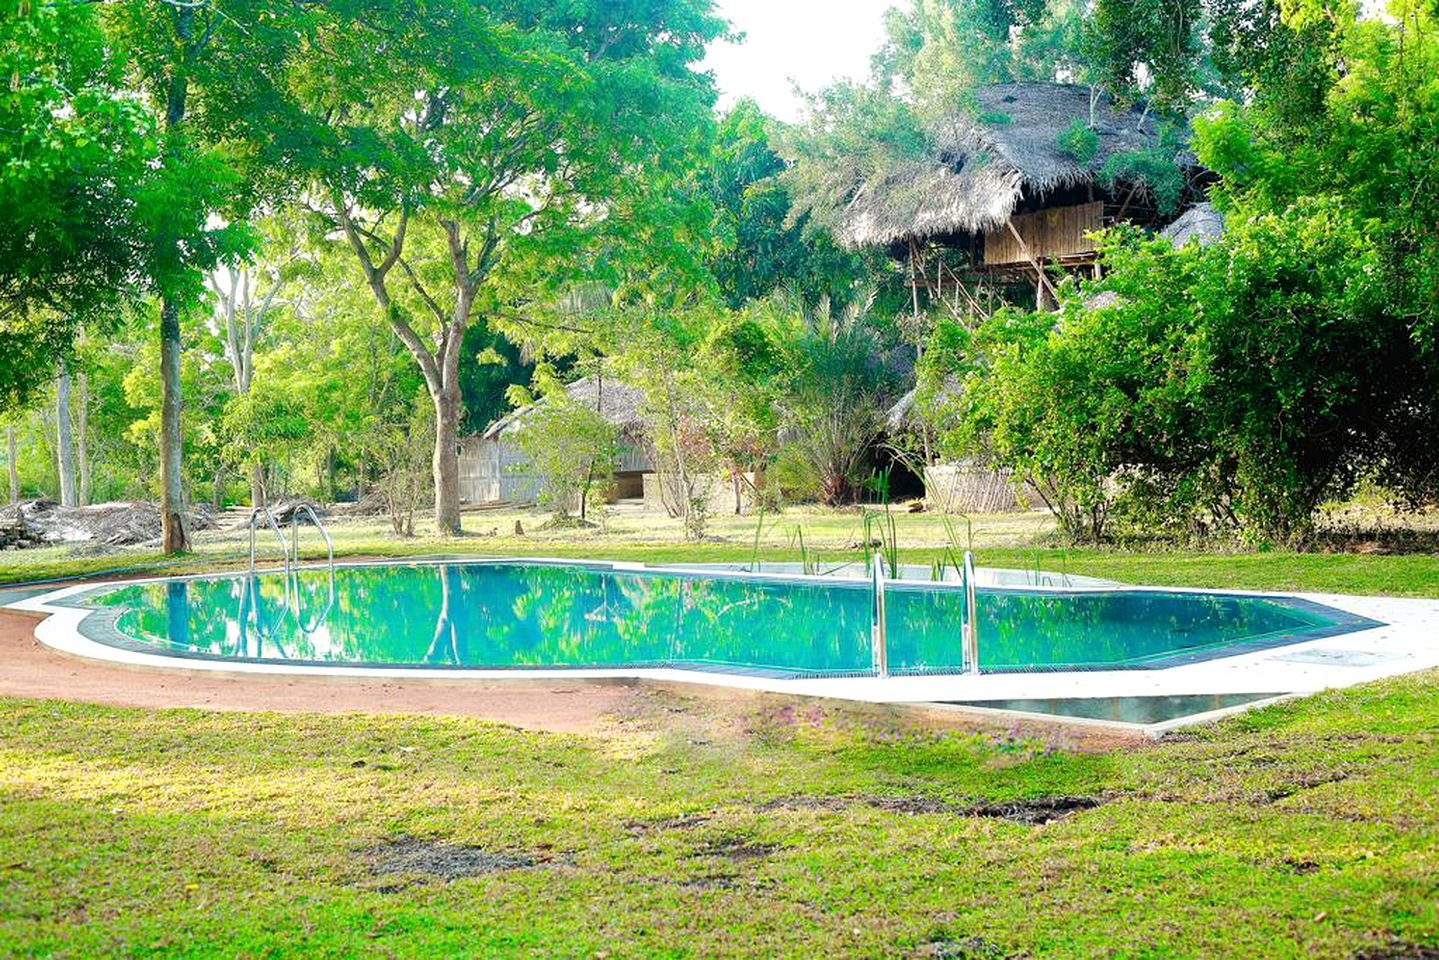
(834, 385)
(1230, 388)
(765, 246)
(13, 467)
(468, 171)
(661, 356)
(569, 447)
(245, 294)
(72, 162)
(210, 69)
(64, 439)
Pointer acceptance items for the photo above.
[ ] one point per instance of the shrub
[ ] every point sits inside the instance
(1078, 141)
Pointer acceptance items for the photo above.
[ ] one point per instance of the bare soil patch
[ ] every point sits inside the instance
(412, 856)
(1033, 811)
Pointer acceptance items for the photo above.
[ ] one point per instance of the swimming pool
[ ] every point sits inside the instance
(511, 615)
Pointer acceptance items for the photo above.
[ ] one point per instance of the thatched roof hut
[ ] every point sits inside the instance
(1201, 223)
(1005, 159)
(619, 403)
(494, 469)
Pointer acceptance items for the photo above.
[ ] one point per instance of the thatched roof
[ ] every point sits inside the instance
(619, 403)
(984, 162)
(902, 414)
(1201, 223)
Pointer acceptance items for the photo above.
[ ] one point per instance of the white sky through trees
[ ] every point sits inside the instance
(812, 42)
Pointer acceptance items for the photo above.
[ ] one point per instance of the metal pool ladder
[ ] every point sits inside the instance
(252, 586)
(969, 625)
(308, 627)
(291, 550)
(879, 638)
(970, 628)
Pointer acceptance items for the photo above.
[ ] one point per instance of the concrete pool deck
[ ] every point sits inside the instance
(1407, 640)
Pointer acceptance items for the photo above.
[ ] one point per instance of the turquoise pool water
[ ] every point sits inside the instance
(505, 615)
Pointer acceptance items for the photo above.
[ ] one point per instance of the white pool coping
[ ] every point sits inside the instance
(1406, 641)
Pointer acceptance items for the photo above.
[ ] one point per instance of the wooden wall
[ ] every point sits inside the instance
(1050, 234)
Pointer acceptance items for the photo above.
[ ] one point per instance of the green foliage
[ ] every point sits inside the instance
(692, 430)
(1152, 172)
(263, 424)
(764, 247)
(1078, 141)
(73, 167)
(938, 51)
(569, 448)
(1233, 387)
(397, 448)
(833, 386)
(1147, 48)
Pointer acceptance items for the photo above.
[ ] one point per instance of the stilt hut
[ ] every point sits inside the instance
(1016, 185)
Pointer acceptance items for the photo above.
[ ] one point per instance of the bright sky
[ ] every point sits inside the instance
(812, 42)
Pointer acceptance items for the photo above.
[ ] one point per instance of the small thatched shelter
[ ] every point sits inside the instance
(1005, 184)
(1201, 223)
(965, 486)
(492, 468)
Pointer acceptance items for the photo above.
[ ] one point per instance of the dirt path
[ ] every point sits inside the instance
(30, 669)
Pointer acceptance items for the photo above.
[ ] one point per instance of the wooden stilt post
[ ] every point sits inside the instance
(1043, 283)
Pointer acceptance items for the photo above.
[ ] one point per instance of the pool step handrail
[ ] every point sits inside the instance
(308, 627)
(264, 513)
(879, 637)
(970, 628)
(252, 586)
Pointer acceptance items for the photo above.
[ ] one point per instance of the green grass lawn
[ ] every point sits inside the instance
(997, 540)
(690, 828)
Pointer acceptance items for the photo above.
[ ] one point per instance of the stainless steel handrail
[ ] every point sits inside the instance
(252, 586)
(274, 525)
(308, 627)
(970, 629)
(879, 636)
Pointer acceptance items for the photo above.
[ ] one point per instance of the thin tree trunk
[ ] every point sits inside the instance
(82, 447)
(217, 489)
(64, 442)
(173, 537)
(14, 467)
(258, 499)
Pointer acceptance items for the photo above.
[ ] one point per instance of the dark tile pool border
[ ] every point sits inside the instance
(100, 626)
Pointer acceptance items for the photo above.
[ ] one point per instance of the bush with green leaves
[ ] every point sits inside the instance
(1078, 141)
(570, 450)
(1234, 387)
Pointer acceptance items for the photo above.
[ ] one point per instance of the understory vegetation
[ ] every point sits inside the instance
(692, 827)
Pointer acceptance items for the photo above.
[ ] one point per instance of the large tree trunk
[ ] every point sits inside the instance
(173, 538)
(64, 443)
(439, 360)
(447, 459)
(82, 436)
(14, 467)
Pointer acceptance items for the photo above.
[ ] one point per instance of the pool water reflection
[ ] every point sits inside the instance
(509, 615)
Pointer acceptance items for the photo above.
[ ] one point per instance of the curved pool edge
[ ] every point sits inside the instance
(1407, 640)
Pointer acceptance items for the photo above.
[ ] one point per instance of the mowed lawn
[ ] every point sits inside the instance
(997, 540)
(692, 827)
